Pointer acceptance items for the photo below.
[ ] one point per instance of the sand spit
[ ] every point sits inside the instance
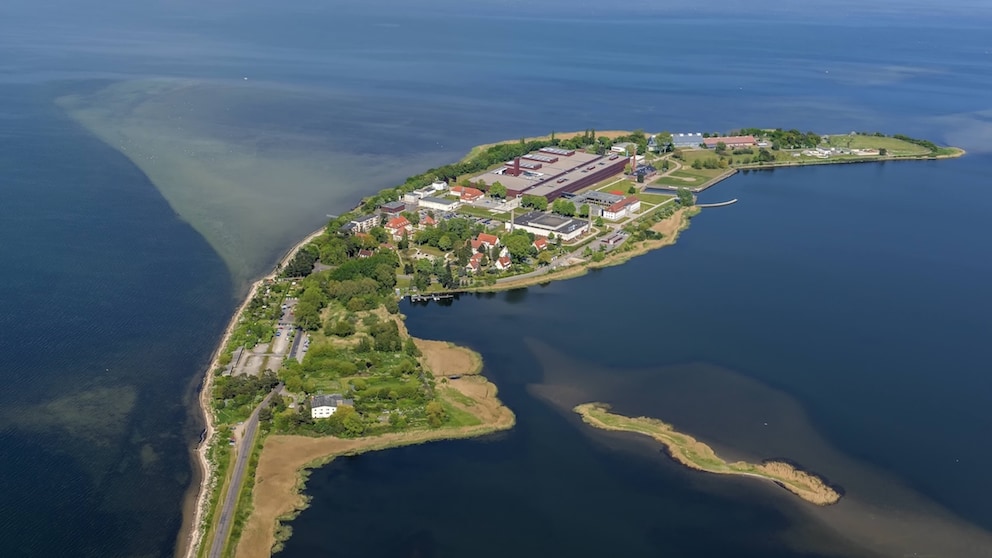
(694, 454)
(191, 534)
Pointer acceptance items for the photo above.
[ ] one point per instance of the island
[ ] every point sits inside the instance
(317, 361)
(696, 455)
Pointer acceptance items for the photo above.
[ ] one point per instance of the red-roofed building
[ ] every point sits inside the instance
(730, 141)
(474, 263)
(364, 253)
(467, 194)
(623, 208)
(540, 243)
(484, 240)
(427, 221)
(503, 263)
(397, 227)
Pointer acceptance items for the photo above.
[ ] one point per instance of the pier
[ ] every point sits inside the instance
(720, 204)
(428, 297)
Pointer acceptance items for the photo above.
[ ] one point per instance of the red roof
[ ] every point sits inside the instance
(629, 200)
(467, 192)
(541, 243)
(397, 223)
(489, 239)
(476, 257)
(616, 192)
(428, 220)
(729, 140)
(503, 262)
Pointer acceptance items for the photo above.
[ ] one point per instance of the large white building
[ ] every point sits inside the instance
(623, 208)
(545, 224)
(438, 204)
(323, 406)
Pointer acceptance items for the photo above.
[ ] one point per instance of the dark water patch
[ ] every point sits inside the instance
(118, 304)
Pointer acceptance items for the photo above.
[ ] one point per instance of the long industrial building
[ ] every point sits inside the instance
(551, 172)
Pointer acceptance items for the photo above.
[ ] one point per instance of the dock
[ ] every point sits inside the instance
(431, 297)
(720, 204)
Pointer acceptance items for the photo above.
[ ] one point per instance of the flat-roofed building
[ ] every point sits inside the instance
(689, 140)
(730, 141)
(544, 224)
(393, 208)
(438, 204)
(364, 223)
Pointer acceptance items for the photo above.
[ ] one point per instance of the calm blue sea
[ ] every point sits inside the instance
(844, 309)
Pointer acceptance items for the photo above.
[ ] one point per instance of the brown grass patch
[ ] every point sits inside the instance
(447, 359)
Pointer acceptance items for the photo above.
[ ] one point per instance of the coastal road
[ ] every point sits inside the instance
(242, 453)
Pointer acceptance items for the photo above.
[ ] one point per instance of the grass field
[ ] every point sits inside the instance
(653, 198)
(480, 212)
(894, 146)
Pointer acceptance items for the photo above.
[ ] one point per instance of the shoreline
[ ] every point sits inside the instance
(190, 537)
(284, 469)
(191, 533)
(696, 455)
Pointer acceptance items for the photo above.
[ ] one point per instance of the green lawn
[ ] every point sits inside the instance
(653, 198)
(481, 212)
(894, 146)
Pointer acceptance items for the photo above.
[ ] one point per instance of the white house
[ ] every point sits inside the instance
(323, 406)
(623, 208)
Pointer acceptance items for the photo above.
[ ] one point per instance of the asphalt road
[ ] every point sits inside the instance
(242, 451)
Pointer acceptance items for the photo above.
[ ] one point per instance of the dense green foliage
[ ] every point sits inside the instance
(302, 263)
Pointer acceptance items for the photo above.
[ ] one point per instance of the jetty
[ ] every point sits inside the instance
(429, 297)
(720, 204)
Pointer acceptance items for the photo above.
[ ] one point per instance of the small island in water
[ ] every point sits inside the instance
(696, 455)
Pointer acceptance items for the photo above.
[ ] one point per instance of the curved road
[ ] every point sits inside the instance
(243, 451)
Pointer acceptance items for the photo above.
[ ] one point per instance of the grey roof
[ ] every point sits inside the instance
(687, 140)
(434, 199)
(597, 197)
(363, 218)
(332, 400)
(393, 205)
(550, 222)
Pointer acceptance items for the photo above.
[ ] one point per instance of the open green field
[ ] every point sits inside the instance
(653, 198)
(894, 146)
(480, 212)
(612, 185)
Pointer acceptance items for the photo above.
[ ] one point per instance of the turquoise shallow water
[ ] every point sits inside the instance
(855, 292)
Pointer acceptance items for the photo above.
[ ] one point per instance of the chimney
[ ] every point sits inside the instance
(516, 166)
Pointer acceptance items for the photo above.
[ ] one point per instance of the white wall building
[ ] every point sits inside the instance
(323, 406)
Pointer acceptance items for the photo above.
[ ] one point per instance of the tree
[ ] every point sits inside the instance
(519, 245)
(404, 242)
(632, 189)
(379, 234)
(444, 243)
(544, 258)
(563, 207)
(537, 202)
(497, 190)
(686, 198)
(721, 148)
(883, 152)
(697, 164)
(435, 414)
(584, 210)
